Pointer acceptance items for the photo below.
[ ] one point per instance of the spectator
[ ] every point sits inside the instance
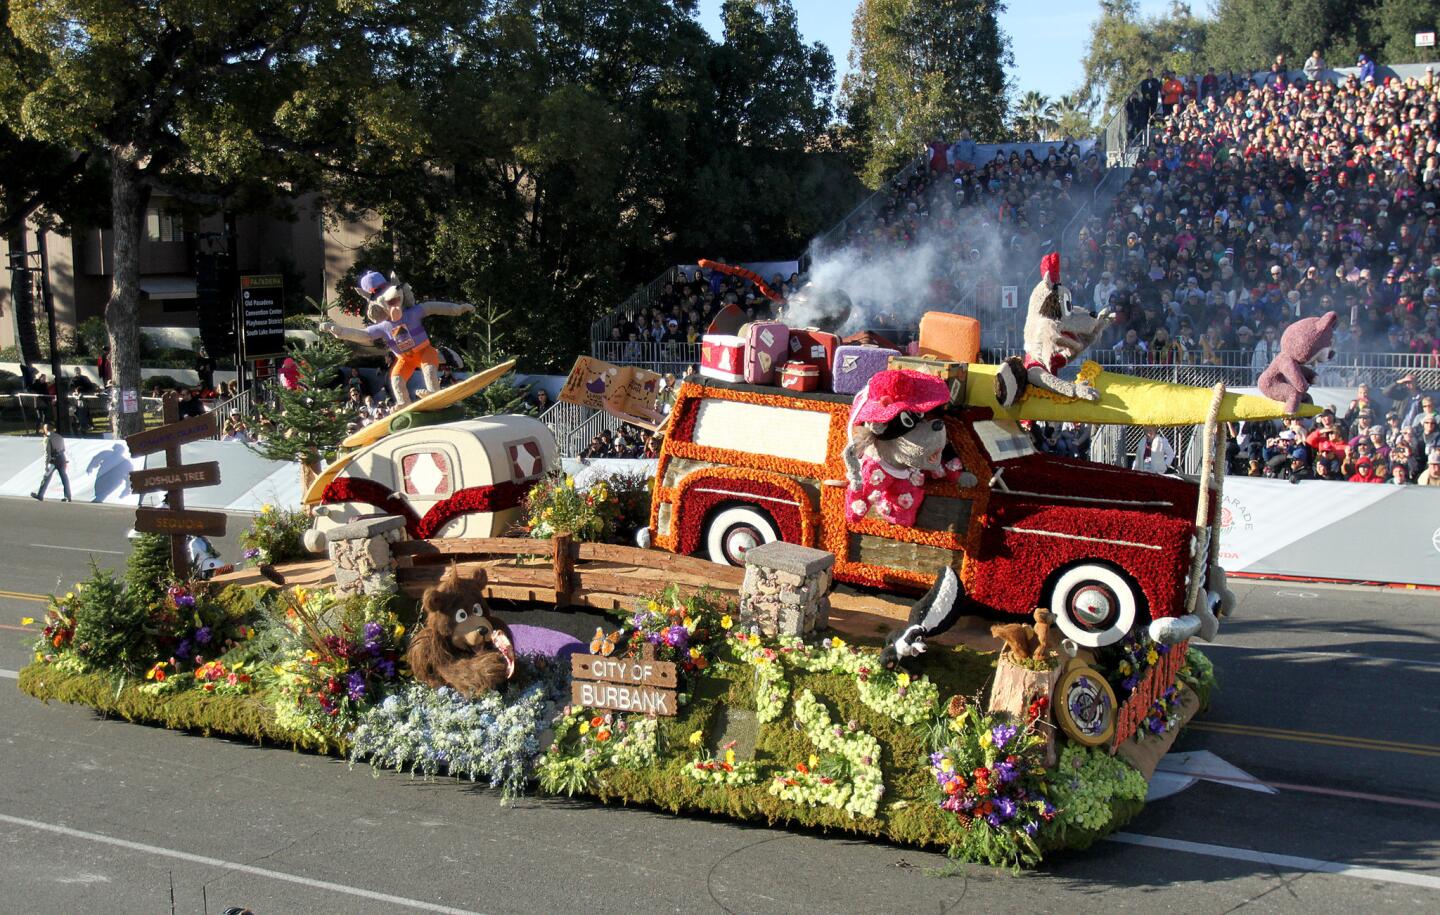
(1363, 472)
(190, 405)
(1431, 475)
(541, 401)
(54, 463)
(1314, 66)
(1170, 92)
(356, 382)
(1154, 454)
(1299, 467)
(1367, 69)
(205, 368)
(1399, 475)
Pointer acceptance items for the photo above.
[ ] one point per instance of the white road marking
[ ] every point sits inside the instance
(1314, 865)
(76, 549)
(232, 866)
(1342, 655)
(9, 674)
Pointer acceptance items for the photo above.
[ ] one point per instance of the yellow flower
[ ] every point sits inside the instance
(726, 622)
(569, 482)
(70, 595)
(837, 642)
(986, 739)
(694, 652)
(696, 737)
(902, 678)
(730, 757)
(814, 760)
(1152, 656)
(27, 620)
(947, 764)
(652, 606)
(1125, 667)
(39, 657)
(399, 630)
(584, 727)
(266, 509)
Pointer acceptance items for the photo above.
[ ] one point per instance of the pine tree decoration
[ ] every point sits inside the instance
(308, 423)
(147, 570)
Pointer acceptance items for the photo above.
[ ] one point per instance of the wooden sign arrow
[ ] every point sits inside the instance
(184, 476)
(179, 521)
(172, 435)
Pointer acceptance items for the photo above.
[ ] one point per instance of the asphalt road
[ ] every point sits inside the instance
(1327, 693)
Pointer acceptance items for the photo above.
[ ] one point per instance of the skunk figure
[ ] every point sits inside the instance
(933, 614)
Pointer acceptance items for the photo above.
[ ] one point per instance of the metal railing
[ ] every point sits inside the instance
(642, 298)
(575, 426)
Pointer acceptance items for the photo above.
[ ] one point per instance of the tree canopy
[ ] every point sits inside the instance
(924, 69)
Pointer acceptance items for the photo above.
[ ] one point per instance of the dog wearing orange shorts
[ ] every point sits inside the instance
(398, 322)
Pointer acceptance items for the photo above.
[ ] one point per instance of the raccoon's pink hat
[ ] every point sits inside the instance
(895, 391)
(1050, 268)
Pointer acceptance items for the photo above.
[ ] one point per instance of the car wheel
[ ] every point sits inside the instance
(734, 531)
(1094, 605)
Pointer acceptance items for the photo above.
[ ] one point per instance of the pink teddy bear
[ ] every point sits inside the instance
(1306, 343)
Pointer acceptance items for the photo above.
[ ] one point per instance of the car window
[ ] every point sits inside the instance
(800, 435)
(426, 473)
(1003, 439)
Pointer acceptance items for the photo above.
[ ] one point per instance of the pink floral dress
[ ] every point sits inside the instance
(895, 492)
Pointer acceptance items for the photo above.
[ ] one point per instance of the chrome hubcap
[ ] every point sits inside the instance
(1092, 606)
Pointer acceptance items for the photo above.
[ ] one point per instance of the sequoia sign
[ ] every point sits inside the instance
(623, 684)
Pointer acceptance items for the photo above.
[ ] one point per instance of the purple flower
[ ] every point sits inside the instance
(250, 553)
(1031, 829)
(677, 636)
(1157, 725)
(935, 758)
(1004, 808)
(373, 631)
(1006, 771)
(1162, 649)
(993, 820)
(183, 649)
(185, 600)
(386, 667)
(355, 685)
(202, 635)
(1001, 734)
(654, 638)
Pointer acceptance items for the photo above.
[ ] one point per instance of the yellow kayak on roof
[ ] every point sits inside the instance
(1125, 400)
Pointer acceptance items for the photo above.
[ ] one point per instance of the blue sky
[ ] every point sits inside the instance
(1047, 36)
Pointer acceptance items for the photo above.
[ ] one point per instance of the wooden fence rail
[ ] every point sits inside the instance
(560, 571)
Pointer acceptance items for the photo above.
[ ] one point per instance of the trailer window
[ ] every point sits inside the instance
(427, 473)
(1004, 439)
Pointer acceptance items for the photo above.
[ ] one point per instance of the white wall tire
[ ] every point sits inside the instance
(733, 531)
(1094, 605)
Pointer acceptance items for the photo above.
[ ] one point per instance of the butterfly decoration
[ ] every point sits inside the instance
(603, 644)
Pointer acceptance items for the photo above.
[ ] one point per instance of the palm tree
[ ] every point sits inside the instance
(1072, 117)
(1034, 115)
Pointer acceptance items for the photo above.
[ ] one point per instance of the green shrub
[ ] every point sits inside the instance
(163, 382)
(111, 631)
(92, 335)
(276, 535)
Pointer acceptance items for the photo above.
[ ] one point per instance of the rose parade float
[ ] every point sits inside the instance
(808, 636)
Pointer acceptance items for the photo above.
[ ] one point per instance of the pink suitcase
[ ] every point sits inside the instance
(817, 348)
(767, 348)
(855, 364)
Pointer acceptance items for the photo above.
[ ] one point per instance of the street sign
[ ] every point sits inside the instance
(623, 684)
(181, 477)
(623, 670)
(262, 316)
(1009, 296)
(622, 697)
(179, 521)
(1424, 39)
(172, 435)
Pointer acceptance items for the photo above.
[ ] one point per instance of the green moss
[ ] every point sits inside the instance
(204, 713)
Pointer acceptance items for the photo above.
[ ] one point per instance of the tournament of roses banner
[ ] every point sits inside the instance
(1324, 529)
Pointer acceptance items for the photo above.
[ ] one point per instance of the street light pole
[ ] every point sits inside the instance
(62, 401)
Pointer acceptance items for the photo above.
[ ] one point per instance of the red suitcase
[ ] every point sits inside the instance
(817, 348)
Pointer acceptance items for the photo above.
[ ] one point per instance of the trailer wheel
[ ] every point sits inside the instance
(1094, 605)
(733, 531)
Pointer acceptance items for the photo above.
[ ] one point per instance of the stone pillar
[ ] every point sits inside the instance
(360, 552)
(786, 589)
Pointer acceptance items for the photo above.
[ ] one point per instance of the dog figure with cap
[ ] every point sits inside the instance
(897, 441)
(1057, 331)
(398, 322)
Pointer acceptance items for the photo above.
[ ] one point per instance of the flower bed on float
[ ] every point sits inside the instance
(809, 732)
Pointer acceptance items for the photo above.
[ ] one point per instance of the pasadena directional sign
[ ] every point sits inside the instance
(155, 479)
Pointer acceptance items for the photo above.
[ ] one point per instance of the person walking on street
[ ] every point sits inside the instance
(54, 463)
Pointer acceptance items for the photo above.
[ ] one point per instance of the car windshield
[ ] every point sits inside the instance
(1004, 439)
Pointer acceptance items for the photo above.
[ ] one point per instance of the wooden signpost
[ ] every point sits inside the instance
(623, 684)
(173, 479)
